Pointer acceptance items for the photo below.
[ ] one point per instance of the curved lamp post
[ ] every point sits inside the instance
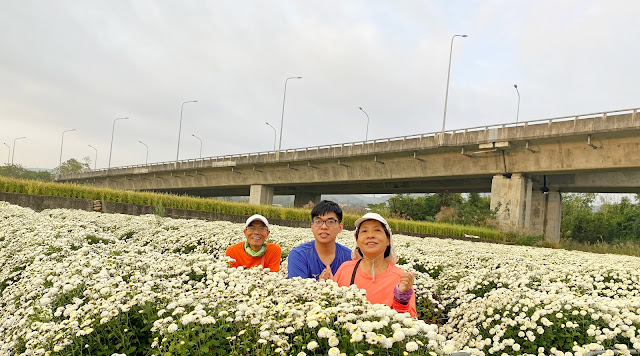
(8, 154)
(95, 161)
(284, 97)
(200, 144)
(366, 136)
(113, 128)
(146, 161)
(517, 112)
(61, 144)
(13, 151)
(446, 96)
(274, 135)
(180, 127)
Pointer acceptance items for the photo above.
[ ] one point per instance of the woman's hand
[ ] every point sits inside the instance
(406, 282)
(326, 274)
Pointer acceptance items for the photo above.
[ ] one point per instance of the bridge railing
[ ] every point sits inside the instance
(372, 142)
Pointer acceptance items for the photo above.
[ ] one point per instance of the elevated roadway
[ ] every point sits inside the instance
(524, 165)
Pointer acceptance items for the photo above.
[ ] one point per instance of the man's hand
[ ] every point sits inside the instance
(406, 282)
(326, 274)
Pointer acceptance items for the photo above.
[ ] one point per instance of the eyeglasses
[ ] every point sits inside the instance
(259, 228)
(329, 222)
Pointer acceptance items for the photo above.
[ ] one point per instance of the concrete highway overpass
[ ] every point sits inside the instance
(526, 166)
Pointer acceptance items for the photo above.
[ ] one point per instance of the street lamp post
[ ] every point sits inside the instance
(366, 136)
(61, 144)
(146, 161)
(274, 135)
(113, 127)
(180, 127)
(517, 112)
(13, 151)
(284, 97)
(9, 153)
(95, 161)
(200, 144)
(446, 96)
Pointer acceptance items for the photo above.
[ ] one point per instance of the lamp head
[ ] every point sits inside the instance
(515, 86)
(465, 36)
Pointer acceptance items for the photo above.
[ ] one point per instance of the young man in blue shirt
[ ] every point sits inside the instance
(322, 255)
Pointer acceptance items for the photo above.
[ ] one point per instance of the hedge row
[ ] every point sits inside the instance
(70, 190)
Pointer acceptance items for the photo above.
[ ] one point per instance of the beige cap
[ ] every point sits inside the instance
(392, 258)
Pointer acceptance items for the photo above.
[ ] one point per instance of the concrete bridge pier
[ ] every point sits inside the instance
(524, 209)
(510, 195)
(546, 214)
(261, 194)
(553, 216)
(303, 198)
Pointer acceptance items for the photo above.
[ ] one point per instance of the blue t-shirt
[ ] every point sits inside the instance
(303, 260)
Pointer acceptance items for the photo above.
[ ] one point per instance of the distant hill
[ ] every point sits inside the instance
(40, 170)
(348, 200)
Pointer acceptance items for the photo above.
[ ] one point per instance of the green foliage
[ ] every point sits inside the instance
(380, 208)
(72, 165)
(159, 211)
(17, 171)
(611, 223)
(92, 240)
(528, 240)
(443, 207)
(422, 208)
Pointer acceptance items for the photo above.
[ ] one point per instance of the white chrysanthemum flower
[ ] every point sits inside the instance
(411, 346)
(172, 328)
(312, 345)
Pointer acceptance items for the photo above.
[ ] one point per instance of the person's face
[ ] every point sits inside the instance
(372, 240)
(325, 233)
(256, 234)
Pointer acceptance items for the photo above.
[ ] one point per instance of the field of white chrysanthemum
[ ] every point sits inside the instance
(81, 283)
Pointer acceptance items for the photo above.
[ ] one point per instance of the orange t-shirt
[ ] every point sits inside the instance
(270, 259)
(380, 291)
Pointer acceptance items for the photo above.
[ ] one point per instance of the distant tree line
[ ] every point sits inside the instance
(71, 165)
(582, 219)
(443, 207)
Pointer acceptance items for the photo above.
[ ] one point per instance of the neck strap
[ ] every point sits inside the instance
(373, 265)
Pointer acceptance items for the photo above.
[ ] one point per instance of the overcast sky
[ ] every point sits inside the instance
(81, 64)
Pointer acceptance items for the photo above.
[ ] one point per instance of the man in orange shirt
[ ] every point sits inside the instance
(255, 251)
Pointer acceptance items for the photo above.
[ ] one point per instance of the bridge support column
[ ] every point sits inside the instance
(303, 198)
(538, 212)
(510, 195)
(553, 217)
(261, 195)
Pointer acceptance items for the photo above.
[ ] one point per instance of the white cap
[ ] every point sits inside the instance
(254, 217)
(373, 216)
(392, 258)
